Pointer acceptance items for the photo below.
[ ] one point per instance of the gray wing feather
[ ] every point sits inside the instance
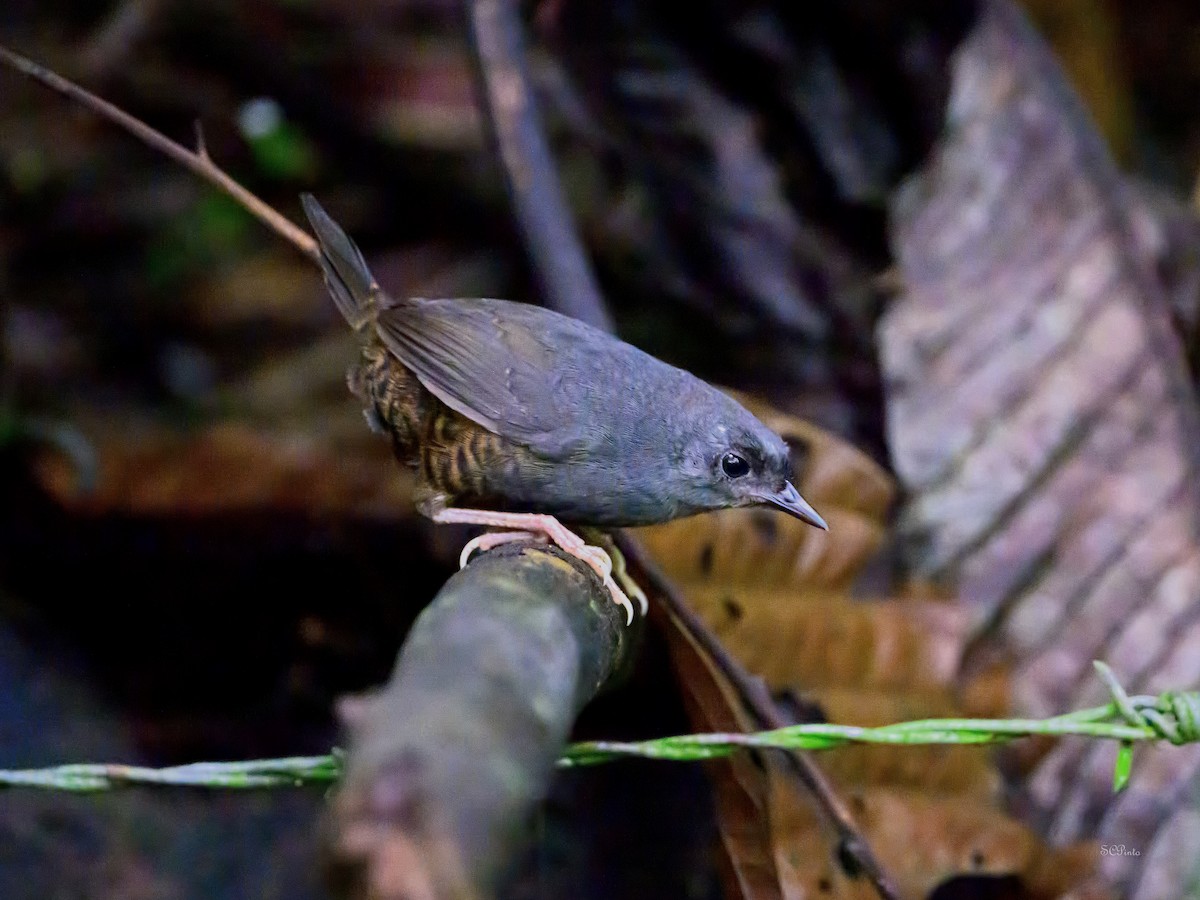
(502, 376)
(498, 363)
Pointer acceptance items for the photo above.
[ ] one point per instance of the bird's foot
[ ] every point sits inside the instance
(533, 525)
(619, 570)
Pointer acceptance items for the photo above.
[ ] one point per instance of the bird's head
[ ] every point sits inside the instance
(734, 460)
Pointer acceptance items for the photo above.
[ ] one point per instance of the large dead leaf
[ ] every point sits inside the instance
(1043, 422)
(778, 596)
(815, 639)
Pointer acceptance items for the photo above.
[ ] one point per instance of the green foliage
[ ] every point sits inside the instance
(284, 153)
(213, 230)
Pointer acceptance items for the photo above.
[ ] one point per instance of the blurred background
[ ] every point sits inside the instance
(201, 544)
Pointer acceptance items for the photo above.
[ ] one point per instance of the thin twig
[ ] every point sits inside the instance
(561, 265)
(762, 707)
(197, 162)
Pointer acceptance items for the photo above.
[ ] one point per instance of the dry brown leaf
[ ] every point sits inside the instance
(765, 548)
(151, 470)
(777, 594)
(796, 637)
(927, 840)
(924, 841)
(796, 832)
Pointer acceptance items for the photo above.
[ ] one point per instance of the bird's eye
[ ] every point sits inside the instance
(734, 466)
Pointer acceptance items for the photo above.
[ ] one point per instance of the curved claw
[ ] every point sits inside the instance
(622, 576)
(468, 548)
(633, 589)
(620, 599)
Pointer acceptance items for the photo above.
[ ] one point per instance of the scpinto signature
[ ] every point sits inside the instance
(1118, 850)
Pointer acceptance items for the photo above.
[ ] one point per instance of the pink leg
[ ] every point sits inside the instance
(539, 523)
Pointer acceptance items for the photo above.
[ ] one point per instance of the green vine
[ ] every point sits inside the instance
(1173, 716)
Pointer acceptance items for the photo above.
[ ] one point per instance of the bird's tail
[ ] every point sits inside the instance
(351, 284)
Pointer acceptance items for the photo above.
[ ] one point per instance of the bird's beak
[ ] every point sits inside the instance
(789, 500)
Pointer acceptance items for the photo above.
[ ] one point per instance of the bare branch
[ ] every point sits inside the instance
(561, 264)
(446, 762)
(198, 162)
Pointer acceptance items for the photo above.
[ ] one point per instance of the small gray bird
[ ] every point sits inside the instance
(517, 417)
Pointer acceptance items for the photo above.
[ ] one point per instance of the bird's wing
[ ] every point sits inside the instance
(500, 364)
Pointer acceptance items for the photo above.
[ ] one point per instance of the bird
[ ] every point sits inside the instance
(518, 417)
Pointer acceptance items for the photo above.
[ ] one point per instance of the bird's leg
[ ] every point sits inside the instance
(538, 523)
(619, 571)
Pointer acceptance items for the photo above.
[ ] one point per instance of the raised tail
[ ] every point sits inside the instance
(350, 282)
